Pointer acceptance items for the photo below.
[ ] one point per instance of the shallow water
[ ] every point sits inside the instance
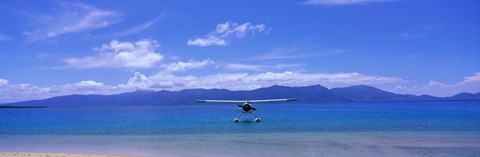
(340, 144)
(288, 129)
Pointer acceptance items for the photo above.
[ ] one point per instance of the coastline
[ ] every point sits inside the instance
(10, 107)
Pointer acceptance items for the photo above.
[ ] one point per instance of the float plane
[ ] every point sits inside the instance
(245, 106)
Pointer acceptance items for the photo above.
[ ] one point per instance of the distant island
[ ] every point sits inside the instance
(315, 93)
(1, 106)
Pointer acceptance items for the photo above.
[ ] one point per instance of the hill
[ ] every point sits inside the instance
(316, 93)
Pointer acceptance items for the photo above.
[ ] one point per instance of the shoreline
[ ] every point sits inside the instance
(13, 107)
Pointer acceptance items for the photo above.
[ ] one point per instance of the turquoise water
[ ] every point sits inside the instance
(397, 129)
(295, 117)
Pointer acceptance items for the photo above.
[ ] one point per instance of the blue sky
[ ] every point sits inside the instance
(51, 48)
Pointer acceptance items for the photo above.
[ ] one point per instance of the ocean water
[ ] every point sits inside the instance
(449, 128)
(218, 118)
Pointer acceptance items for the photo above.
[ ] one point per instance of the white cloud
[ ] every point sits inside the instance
(468, 84)
(182, 66)
(209, 40)
(16, 92)
(470, 79)
(253, 67)
(3, 82)
(141, 27)
(137, 77)
(285, 66)
(138, 81)
(89, 85)
(71, 17)
(138, 54)
(342, 2)
(233, 29)
(226, 31)
(250, 67)
(165, 78)
(436, 84)
(25, 91)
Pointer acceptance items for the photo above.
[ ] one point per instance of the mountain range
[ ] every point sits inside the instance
(315, 93)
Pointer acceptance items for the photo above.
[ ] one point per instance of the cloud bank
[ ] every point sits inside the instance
(167, 79)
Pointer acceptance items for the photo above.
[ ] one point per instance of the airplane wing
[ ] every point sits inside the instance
(273, 100)
(223, 101)
(250, 101)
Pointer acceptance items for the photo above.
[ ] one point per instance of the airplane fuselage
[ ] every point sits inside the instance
(246, 107)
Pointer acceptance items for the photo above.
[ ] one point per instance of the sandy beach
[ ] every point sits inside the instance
(33, 154)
